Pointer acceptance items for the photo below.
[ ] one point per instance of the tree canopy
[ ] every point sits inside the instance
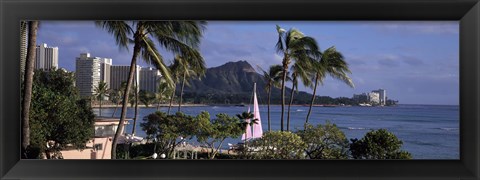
(325, 142)
(58, 113)
(378, 144)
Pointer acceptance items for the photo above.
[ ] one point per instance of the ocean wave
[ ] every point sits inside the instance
(298, 110)
(449, 129)
(356, 128)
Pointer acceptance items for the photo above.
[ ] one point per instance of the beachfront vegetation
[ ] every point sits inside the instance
(180, 37)
(332, 63)
(58, 114)
(276, 145)
(299, 71)
(293, 45)
(146, 97)
(165, 130)
(115, 98)
(213, 132)
(188, 68)
(163, 92)
(378, 144)
(324, 142)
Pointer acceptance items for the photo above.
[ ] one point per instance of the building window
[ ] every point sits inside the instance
(98, 147)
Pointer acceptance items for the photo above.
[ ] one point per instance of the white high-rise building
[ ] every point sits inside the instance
(119, 74)
(149, 79)
(46, 57)
(383, 96)
(87, 74)
(90, 71)
(374, 97)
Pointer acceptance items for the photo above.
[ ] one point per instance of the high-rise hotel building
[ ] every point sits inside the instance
(46, 57)
(90, 71)
(149, 78)
(119, 74)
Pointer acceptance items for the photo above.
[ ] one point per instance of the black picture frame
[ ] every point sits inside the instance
(467, 12)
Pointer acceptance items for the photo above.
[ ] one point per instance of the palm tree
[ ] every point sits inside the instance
(175, 70)
(163, 91)
(293, 45)
(189, 67)
(273, 78)
(244, 121)
(146, 98)
(28, 82)
(23, 47)
(330, 63)
(299, 71)
(101, 90)
(114, 97)
(180, 37)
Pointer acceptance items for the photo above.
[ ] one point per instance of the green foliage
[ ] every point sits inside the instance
(146, 98)
(379, 144)
(325, 142)
(167, 129)
(216, 130)
(276, 145)
(58, 113)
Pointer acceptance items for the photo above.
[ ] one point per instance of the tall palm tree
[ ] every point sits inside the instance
(273, 78)
(180, 37)
(175, 69)
(28, 82)
(101, 90)
(299, 71)
(189, 67)
(23, 47)
(293, 45)
(330, 63)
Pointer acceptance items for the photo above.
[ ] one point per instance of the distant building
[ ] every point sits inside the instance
(46, 57)
(361, 98)
(382, 96)
(149, 79)
(119, 74)
(374, 97)
(87, 74)
(90, 71)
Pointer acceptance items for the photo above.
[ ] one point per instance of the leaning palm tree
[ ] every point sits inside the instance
(180, 37)
(175, 69)
(27, 88)
(189, 67)
(101, 90)
(330, 63)
(293, 45)
(299, 71)
(273, 78)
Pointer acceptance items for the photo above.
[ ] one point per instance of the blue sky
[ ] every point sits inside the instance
(416, 62)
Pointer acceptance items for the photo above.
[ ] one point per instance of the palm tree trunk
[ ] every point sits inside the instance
(171, 99)
(114, 111)
(27, 89)
(269, 93)
(136, 101)
(100, 108)
(158, 103)
(181, 93)
(136, 52)
(313, 100)
(289, 105)
(285, 68)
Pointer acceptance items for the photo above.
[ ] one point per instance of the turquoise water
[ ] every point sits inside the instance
(427, 131)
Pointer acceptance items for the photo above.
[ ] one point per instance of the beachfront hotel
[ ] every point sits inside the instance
(149, 79)
(376, 96)
(119, 74)
(89, 71)
(46, 57)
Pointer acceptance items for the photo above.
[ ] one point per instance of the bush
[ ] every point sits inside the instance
(276, 145)
(325, 142)
(379, 144)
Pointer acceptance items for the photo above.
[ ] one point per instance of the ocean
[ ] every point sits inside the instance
(427, 131)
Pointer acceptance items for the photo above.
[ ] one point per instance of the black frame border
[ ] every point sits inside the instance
(467, 12)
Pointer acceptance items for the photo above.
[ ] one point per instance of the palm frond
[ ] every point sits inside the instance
(119, 29)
